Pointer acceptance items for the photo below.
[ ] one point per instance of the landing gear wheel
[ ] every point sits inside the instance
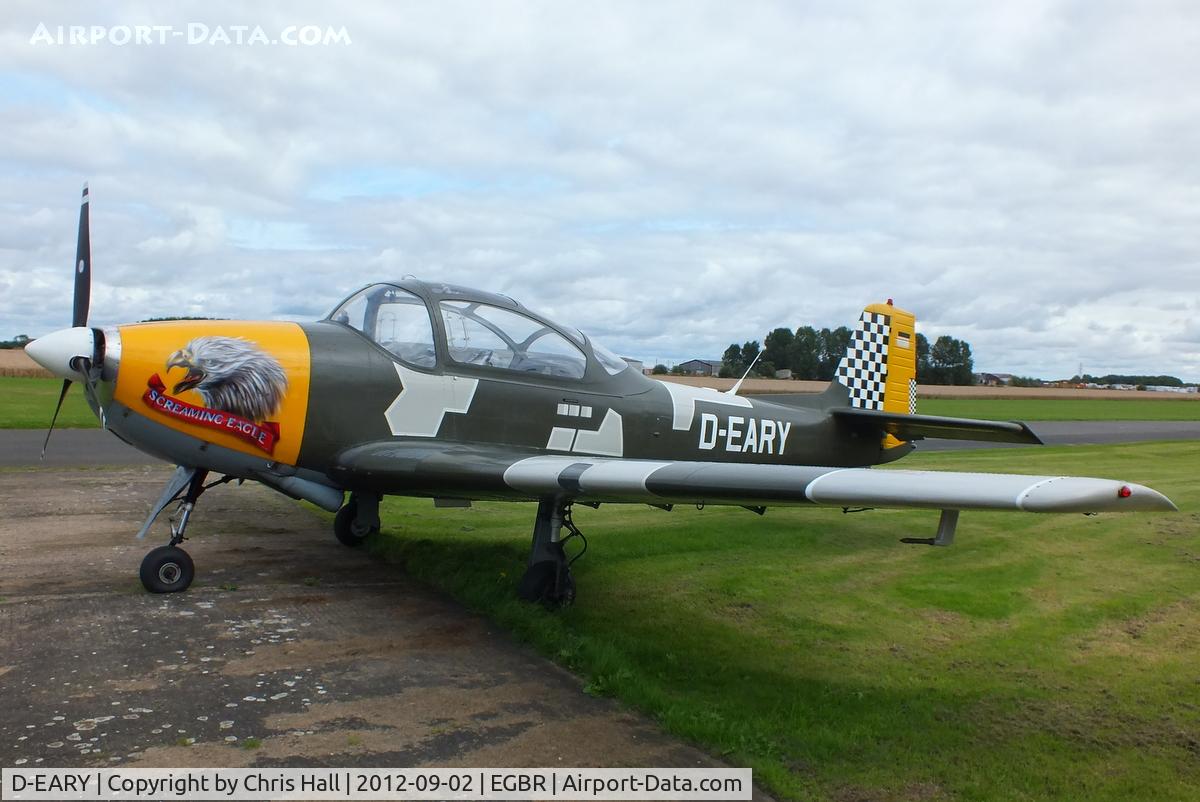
(347, 528)
(547, 579)
(167, 569)
(549, 583)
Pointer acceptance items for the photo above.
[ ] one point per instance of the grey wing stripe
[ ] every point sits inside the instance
(568, 479)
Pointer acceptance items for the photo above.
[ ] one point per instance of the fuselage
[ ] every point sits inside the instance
(283, 400)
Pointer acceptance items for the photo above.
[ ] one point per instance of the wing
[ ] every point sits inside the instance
(465, 470)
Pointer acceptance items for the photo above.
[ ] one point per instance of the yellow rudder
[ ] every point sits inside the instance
(879, 369)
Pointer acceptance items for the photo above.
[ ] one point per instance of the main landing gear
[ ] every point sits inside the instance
(169, 569)
(358, 518)
(547, 577)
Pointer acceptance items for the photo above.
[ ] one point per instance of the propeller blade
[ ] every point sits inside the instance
(79, 310)
(89, 389)
(83, 266)
(66, 386)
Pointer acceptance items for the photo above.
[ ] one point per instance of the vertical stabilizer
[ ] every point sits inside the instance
(879, 370)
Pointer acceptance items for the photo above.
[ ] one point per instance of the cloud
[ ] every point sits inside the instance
(669, 177)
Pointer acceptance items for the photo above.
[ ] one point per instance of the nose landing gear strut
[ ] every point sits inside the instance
(169, 569)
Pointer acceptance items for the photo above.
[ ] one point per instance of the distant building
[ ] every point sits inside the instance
(783, 374)
(1165, 388)
(701, 367)
(993, 379)
(1095, 386)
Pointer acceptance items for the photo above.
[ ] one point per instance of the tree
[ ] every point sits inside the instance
(659, 370)
(777, 351)
(833, 347)
(804, 356)
(950, 362)
(731, 360)
(813, 354)
(750, 352)
(963, 372)
(923, 366)
(941, 357)
(1123, 378)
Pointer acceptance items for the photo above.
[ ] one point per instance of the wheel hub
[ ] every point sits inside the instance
(169, 573)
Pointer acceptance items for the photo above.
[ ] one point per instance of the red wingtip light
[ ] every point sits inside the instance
(1124, 492)
(889, 302)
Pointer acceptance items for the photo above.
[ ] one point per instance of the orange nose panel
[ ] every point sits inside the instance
(241, 385)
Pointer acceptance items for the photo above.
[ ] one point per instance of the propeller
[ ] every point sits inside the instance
(83, 265)
(79, 311)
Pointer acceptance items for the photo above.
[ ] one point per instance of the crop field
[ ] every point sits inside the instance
(1040, 657)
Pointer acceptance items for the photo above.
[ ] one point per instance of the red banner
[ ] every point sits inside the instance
(261, 435)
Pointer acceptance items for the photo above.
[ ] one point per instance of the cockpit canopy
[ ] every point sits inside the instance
(471, 328)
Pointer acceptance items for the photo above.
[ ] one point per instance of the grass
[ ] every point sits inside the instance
(1041, 657)
(1032, 409)
(29, 404)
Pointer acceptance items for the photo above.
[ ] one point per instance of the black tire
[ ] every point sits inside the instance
(167, 569)
(344, 528)
(542, 584)
(536, 582)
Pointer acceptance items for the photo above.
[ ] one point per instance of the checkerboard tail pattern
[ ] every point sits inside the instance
(863, 370)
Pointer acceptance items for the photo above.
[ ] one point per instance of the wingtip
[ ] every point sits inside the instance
(1030, 435)
(1147, 498)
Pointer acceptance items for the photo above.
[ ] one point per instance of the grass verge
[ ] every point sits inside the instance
(1031, 409)
(29, 404)
(1040, 657)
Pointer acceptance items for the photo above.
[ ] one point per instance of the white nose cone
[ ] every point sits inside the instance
(56, 351)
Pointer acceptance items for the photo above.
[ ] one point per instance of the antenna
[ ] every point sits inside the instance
(734, 389)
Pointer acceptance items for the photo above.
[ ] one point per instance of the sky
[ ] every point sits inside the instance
(668, 177)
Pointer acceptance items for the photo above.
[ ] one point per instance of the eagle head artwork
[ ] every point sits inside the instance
(232, 375)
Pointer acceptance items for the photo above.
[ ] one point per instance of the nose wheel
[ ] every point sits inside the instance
(169, 569)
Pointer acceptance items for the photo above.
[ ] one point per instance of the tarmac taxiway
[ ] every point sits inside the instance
(289, 649)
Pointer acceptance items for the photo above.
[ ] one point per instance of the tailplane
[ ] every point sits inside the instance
(874, 388)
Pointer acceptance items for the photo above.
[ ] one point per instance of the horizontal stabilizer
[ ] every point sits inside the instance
(918, 427)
